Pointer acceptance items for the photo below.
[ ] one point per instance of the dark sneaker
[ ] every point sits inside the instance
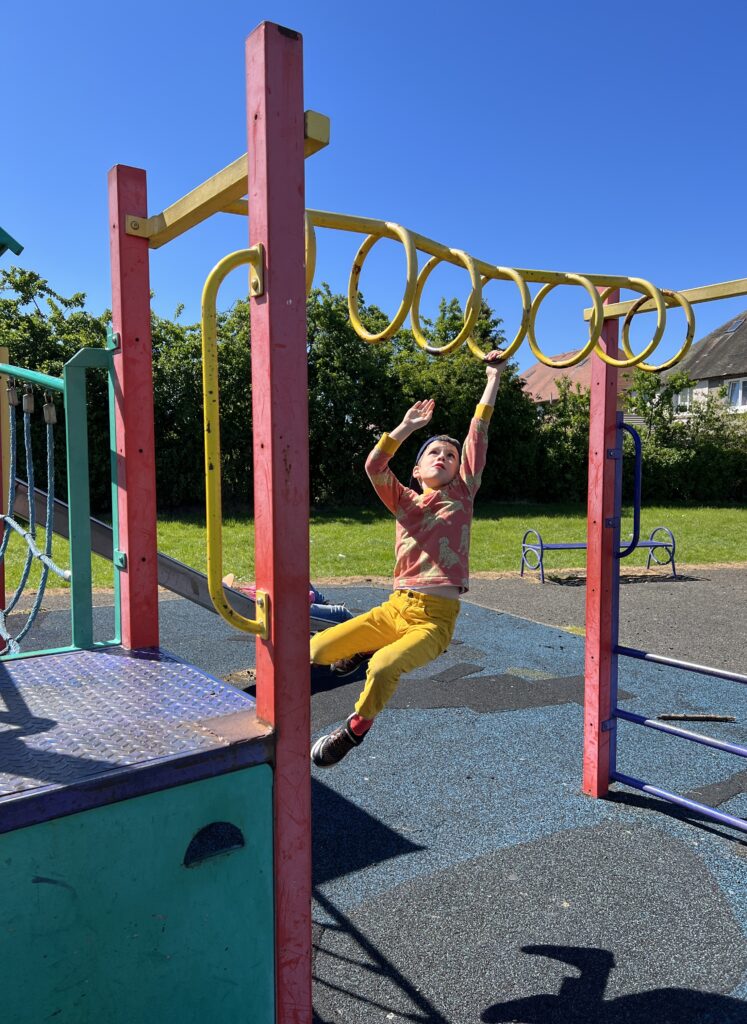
(330, 749)
(346, 666)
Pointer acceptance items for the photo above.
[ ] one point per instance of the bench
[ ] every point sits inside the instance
(533, 551)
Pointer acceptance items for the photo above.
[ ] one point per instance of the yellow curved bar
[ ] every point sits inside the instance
(211, 415)
(481, 273)
(405, 238)
(526, 309)
(649, 291)
(471, 309)
(689, 335)
(310, 239)
(595, 324)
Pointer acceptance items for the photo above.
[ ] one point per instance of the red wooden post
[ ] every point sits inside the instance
(602, 568)
(281, 489)
(134, 410)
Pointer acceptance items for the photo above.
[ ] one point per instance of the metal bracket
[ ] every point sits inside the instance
(612, 522)
(609, 725)
(120, 559)
(262, 605)
(614, 453)
(113, 340)
(257, 270)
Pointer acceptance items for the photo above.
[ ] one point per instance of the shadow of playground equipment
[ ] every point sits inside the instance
(364, 840)
(580, 999)
(578, 579)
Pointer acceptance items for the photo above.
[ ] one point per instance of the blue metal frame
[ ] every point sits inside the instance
(631, 652)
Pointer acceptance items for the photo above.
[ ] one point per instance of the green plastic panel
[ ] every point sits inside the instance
(101, 922)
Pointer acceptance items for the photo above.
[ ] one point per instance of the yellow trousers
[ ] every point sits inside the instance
(406, 632)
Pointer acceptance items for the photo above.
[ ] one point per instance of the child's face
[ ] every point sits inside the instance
(438, 465)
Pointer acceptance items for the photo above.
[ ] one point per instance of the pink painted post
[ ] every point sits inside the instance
(601, 568)
(134, 410)
(281, 489)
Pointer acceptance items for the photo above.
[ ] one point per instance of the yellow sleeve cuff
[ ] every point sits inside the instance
(387, 444)
(483, 412)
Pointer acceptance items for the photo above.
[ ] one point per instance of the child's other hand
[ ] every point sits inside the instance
(419, 414)
(494, 364)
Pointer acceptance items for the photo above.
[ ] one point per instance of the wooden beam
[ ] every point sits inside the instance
(217, 193)
(275, 121)
(133, 372)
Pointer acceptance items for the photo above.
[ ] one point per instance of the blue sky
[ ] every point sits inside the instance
(562, 136)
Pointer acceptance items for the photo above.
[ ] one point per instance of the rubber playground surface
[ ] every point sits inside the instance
(459, 874)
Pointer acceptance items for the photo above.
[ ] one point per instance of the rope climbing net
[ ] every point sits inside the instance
(12, 643)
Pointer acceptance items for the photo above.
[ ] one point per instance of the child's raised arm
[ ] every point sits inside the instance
(493, 369)
(385, 483)
(417, 416)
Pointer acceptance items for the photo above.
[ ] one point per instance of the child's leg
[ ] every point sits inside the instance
(367, 632)
(429, 624)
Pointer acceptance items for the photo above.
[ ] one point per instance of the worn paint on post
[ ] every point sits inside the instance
(275, 116)
(133, 390)
(603, 541)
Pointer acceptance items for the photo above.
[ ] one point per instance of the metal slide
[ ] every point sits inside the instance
(173, 575)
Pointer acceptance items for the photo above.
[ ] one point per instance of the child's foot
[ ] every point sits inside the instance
(330, 749)
(346, 666)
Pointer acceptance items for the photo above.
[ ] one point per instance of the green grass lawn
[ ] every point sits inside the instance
(360, 542)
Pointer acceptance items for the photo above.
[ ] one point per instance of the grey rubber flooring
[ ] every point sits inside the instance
(460, 875)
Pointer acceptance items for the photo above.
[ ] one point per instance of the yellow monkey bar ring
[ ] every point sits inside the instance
(412, 273)
(595, 324)
(471, 309)
(637, 284)
(678, 298)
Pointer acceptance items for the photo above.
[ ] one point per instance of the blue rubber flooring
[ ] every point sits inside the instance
(461, 876)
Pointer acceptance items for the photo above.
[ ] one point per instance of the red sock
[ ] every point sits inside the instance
(360, 726)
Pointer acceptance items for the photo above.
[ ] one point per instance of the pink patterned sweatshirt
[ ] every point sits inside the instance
(433, 529)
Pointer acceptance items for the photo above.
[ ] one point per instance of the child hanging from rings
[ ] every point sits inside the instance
(434, 516)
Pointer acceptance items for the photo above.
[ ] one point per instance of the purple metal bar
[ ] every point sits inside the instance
(660, 659)
(636, 490)
(687, 734)
(682, 801)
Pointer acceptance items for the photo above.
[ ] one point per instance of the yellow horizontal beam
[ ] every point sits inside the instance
(315, 132)
(370, 226)
(213, 195)
(705, 293)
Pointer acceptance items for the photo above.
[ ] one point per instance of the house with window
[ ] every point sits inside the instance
(716, 361)
(540, 382)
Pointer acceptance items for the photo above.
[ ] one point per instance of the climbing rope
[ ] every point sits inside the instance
(29, 535)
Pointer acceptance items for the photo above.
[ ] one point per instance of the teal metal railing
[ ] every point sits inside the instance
(72, 387)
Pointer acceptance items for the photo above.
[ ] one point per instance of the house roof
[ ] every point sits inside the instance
(540, 381)
(722, 353)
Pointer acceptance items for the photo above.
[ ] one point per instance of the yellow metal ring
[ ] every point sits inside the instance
(650, 291)
(689, 316)
(310, 239)
(471, 309)
(595, 324)
(526, 306)
(412, 269)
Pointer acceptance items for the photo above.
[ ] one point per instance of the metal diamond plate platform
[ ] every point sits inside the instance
(87, 719)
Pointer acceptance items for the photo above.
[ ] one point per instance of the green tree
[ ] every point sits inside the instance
(353, 393)
(42, 330)
(654, 400)
(564, 444)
